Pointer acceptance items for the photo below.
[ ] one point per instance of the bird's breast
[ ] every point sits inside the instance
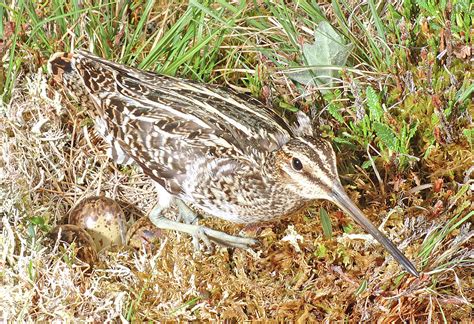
(235, 192)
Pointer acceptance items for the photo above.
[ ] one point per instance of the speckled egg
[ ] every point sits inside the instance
(143, 234)
(102, 218)
(83, 242)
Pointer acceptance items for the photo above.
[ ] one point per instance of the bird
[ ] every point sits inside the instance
(208, 148)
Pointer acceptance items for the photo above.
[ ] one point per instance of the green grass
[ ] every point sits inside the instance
(399, 112)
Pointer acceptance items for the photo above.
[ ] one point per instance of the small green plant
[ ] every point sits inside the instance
(374, 127)
(469, 134)
(321, 251)
(458, 13)
(37, 222)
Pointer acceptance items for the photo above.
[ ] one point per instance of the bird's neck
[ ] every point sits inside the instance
(283, 200)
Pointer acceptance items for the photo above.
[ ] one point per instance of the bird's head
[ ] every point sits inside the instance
(306, 165)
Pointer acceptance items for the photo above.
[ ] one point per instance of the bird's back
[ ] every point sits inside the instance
(165, 123)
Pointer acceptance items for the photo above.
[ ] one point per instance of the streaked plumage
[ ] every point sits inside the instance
(225, 154)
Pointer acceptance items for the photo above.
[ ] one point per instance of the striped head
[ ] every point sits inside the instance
(308, 166)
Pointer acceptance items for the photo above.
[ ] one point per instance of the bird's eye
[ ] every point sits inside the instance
(296, 164)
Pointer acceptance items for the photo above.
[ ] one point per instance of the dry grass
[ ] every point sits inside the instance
(51, 161)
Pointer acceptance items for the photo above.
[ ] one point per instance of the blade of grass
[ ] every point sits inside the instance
(325, 223)
(378, 22)
(439, 234)
(139, 28)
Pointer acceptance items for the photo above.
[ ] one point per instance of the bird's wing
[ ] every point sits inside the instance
(192, 106)
(164, 123)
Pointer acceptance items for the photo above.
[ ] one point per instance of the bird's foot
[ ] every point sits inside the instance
(186, 214)
(200, 233)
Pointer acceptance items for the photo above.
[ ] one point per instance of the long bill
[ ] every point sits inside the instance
(345, 203)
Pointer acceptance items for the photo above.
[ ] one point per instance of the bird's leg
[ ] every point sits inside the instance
(199, 233)
(187, 215)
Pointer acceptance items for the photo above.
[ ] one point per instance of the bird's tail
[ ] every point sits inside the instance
(61, 66)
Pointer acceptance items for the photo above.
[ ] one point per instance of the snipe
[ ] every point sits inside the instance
(206, 146)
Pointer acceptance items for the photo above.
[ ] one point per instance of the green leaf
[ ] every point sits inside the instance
(469, 134)
(348, 228)
(321, 251)
(373, 102)
(362, 287)
(412, 131)
(31, 271)
(325, 222)
(329, 48)
(328, 53)
(367, 164)
(37, 220)
(462, 95)
(378, 22)
(334, 111)
(386, 135)
(341, 140)
(287, 106)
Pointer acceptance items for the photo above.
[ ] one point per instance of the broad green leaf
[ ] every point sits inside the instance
(329, 48)
(323, 58)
